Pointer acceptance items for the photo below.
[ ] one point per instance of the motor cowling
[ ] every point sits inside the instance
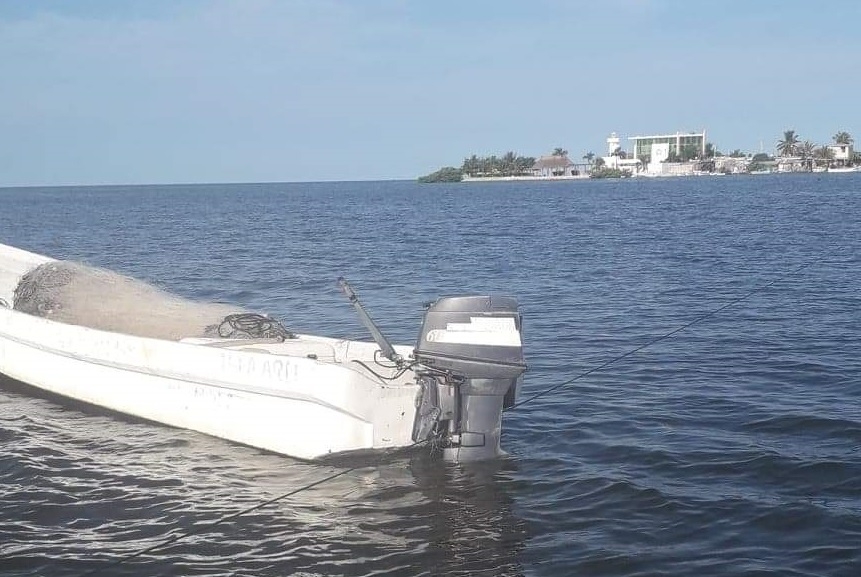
(470, 356)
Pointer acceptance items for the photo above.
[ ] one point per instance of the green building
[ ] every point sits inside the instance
(678, 142)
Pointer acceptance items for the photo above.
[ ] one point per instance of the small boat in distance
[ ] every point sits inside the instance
(249, 380)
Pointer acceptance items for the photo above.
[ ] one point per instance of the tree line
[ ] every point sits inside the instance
(509, 164)
(513, 164)
(792, 146)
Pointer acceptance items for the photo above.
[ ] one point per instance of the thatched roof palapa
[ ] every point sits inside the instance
(552, 162)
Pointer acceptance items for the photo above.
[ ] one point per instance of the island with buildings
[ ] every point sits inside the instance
(677, 154)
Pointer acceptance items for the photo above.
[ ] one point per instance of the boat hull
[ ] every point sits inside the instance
(304, 397)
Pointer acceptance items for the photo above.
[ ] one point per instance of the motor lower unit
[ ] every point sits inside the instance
(470, 360)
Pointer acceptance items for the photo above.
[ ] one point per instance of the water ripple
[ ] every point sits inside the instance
(732, 448)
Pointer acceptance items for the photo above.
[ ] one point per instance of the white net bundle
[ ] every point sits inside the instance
(78, 294)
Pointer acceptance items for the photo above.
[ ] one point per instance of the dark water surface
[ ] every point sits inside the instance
(731, 448)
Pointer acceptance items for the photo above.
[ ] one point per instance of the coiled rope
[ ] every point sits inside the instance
(253, 326)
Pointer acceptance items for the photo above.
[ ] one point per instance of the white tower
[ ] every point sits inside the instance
(612, 143)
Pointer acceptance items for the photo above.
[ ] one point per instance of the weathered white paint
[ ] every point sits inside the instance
(268, 395)
(842, 152)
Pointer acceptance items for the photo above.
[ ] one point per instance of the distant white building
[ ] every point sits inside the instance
(842, 154)
(651, 153)
(791, 164)
(678, 144)
(613, 144)
(731, 164)
(549, 166)
(618, 158)
(660, 152)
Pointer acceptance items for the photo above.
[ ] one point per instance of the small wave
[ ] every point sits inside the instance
(808, 425)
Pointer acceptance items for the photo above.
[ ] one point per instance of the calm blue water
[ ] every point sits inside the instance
(731, 448)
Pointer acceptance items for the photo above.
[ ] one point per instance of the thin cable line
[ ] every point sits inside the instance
(230, 517)
(660, 338)
(333, 476)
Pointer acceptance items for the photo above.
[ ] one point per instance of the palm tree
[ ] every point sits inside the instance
(589, 157)
(789, 145)
(843, 137)
(524, 164)
(471, 165)
(560, 152)
(824, 155)
(619, 153)
(508, 163)
(806, 149)
(487, 166)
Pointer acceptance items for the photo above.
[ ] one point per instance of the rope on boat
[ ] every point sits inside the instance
(5, 304)
(400, 367)
(252, 326)
(662, 337)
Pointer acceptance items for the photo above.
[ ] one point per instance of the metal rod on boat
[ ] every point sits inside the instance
(384, 344)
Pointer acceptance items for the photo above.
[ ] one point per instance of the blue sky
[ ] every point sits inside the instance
(158, 91)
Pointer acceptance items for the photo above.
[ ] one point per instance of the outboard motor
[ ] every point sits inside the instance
(470, 359)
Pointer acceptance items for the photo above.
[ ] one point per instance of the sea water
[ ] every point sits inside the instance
(732, 447)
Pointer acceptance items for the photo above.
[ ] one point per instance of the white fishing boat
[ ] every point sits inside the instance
(260, 385)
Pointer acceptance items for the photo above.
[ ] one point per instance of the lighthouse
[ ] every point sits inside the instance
(612, 160)
(612, 143)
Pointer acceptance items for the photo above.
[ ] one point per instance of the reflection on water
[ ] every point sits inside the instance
(472, 522)
(86, 488)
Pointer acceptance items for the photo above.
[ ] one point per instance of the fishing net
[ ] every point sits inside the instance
(78, 294)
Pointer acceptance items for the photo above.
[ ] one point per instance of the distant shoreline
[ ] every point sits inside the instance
(643, 176)
(521, 178)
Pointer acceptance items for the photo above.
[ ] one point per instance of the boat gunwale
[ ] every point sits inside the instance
(190, 378)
